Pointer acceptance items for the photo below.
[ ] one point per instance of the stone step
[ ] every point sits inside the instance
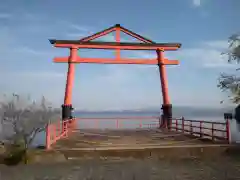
(169, 152)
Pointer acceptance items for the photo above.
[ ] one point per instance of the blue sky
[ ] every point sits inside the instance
(202, 26)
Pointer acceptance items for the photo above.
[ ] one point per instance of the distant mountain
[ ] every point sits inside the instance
(178, 111)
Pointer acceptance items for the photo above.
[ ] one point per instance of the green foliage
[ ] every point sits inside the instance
(15, 155)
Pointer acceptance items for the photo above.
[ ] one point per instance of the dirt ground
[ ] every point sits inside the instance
(149, 169)
(123, 138)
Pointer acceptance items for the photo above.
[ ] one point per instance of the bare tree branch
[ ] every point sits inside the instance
(22, 120)
(233, 51)
(231, 82)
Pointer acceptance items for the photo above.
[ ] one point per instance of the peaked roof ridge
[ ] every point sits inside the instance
(135, 35)
(122, 29)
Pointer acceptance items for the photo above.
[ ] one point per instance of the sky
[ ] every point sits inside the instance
(201, 26)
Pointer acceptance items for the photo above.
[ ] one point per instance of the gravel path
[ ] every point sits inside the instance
(126, 169)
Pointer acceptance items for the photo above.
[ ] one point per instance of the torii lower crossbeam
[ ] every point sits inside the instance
(115, 61)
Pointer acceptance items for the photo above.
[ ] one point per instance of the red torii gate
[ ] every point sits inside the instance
(86, 43)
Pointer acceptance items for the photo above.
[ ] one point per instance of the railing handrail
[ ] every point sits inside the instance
(203, 121)
(127, 117)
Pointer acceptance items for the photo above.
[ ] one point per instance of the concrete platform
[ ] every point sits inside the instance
(137, 144)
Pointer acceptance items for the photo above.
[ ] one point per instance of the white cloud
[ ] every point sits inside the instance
(205, 54)
(78, 31)
(83, 31)
(41, 74)
(33, 16)
(31, 51)
(31, 75)
(209, 54)
(196, 3)
(118, 87)
(76, 35)
(5, 15)
(218, 44)
(80, 27)
(203, 57)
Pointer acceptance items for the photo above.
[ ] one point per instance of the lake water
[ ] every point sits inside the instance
(133, 123)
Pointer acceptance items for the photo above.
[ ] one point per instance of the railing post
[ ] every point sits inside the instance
(228, 131)
(48, 138)
(183, 124)
(75, 123)
(54, 132)
(66, 129)
(63, 126)
(170, 125)
(191, 128)
(177, 125)
(59, 128)
(201, 135)
(212, 131)
(160, 122)
(117, 124)
(96, 124)
(227, 117)
(69, 124)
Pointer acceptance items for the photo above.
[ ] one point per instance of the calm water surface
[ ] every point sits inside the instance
(133, 123)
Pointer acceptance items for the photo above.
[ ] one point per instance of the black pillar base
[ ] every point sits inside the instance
(237, 114)
(167, 115)
(228, 116)
(67, 112)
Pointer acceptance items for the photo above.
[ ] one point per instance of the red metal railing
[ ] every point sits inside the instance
(204, 129)
(58, 130)
(118, 122)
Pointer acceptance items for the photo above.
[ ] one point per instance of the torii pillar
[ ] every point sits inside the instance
(166, 106)
(67, 106)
